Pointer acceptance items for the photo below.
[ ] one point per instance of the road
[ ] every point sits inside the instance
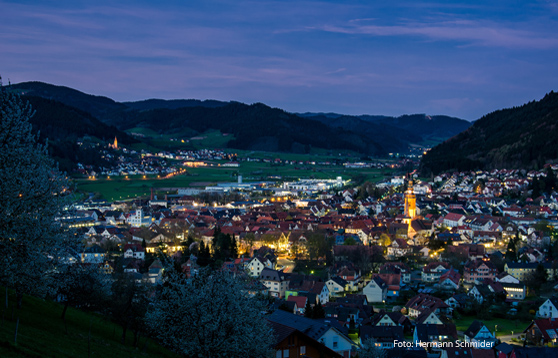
(287, 264)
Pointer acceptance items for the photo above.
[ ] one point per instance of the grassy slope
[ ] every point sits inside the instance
(42, 333)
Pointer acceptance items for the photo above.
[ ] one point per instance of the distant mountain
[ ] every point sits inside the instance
(149, 104)
(519, 137)
(391, 138)
(415, 128)
(257, 126)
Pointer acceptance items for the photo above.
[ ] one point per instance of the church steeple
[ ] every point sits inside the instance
(115, 144)
(410, 202)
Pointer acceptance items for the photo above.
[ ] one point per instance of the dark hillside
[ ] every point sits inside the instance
(519, 137)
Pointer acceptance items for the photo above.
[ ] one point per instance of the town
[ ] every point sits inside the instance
(459, 264)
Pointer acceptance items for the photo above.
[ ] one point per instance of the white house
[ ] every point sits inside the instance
(375, 290)
(336, 286)
(134, 251)
(480, 335)
(549, 309)
(276, 281)
(138, 219)
(255, 267)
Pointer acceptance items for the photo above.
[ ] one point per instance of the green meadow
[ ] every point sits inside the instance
(121, 188)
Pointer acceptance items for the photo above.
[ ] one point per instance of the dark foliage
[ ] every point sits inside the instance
(520, 137)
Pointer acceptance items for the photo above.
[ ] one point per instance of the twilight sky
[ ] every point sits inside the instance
(459, 58)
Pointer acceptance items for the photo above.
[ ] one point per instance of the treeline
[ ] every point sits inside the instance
(520, 137)
(255, 127)
(62, 126)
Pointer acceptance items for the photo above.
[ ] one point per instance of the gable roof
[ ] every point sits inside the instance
(312, 328)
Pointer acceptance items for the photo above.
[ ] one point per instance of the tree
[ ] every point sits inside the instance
(536, 279)
(511, 250)
(349, 241)
(318, 311)
(82, 285)
(369, 350)
(128, 304)
(211, 316)
(308, 311)
(32, 193)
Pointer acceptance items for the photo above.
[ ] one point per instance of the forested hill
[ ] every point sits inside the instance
(254, 127)
(519, 137)
(63, 126)
(98, 106)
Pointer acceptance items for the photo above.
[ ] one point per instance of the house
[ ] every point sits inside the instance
(434, 333)
(423, 302)
(433, 271)
(134, 251)
(384, 318)
(94, 254)
(397, 268)
(393, 282)
(155, 272)
(336, 286)
(139, 219)
(315, 290)
(514, 291)
(428, 317)
(480, 293)
(255, 267)
(449, 281)
(399, 248)
(276, 281)
(346, 315)
(479, 336)
(384, 336)
(479, 270)
(375, 290)
(542, 331)
(505, 277)
(352, 276)
(453, 220)
(291, 342)
(549, 309)
(460, 300)
(323, 331)
(522, 271)
(299, 301)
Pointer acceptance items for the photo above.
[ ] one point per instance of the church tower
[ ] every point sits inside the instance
(115, 145)
(410, 203)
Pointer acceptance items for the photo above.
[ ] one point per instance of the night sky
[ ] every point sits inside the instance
(459, 58)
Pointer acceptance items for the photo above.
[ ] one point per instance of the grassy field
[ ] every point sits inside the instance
(505, 325)
(42, 333)
(116, 188)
